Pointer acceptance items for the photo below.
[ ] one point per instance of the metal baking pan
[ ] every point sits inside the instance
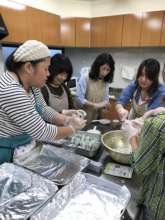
(83, 143)
(87, 144)
(86, 197)
(22, 192)
(57, 164)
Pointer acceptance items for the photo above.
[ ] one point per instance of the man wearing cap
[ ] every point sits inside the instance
(24, 115)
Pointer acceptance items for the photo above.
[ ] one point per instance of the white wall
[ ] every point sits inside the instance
(131, 57)
(80, 8)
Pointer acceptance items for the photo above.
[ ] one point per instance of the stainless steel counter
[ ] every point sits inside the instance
(133, 184)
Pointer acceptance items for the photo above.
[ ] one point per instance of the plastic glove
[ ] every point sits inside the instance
(81, 113)
(69, 112)
(138, 123)
(153, 112)
(123, 114)
(76, 123)
(129, 128)
(107, 106)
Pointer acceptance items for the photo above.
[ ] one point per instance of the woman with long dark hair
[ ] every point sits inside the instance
(145, 92)
(148, 159)
(93, 88)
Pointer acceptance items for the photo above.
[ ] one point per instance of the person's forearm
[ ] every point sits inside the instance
(63, 132)
(134, 141)
(59, 119)
(89, 104)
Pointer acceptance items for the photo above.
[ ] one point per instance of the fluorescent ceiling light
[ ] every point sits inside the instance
(11, 4)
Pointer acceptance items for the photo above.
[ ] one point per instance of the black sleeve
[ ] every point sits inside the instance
(45, 94)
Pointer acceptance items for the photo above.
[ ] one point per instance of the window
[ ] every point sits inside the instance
(7, 49)
(54, 51)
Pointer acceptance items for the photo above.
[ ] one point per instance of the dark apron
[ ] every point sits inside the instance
(8, 144)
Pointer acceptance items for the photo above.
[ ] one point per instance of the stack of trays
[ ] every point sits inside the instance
(86, 197)
(57, 164)
(22, 192)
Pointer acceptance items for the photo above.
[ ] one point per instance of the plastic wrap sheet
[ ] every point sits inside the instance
(22, 192)
(86, 197)
(57, 164)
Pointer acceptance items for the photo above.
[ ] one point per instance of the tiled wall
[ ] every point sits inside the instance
(131, 57)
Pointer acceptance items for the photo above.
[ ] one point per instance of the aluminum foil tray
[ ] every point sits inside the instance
(57, 164)
(86, 197)
(22, 192)
(83, 143)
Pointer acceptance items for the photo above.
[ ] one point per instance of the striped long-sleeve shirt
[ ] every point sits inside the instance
(18, 113)
(149, 162)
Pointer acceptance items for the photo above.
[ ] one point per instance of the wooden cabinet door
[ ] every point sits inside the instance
(98, 32)
(16, 23)
(68, 32)
(51, 28)
(151, 28)
(114, 27)
(34, 21)
(132, 30)
(162, 40)
(82, 32)
(43, 26)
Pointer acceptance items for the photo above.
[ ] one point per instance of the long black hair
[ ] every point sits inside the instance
(152, 69)
(60, 63)
(100, 60)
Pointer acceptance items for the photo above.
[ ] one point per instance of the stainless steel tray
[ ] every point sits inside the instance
(57, 164)
(86, 197)
(83, 143)
(22, 192)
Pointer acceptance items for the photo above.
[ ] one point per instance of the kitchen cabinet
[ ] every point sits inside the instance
(132, 26)
(51, 28)
(68, 32)
(16, 23)
(98, 32)
(131, 30)
(43, 26)
(31, 23)
(151, 28)
(114, 27)
(34, 22)
(83, 32)
(162, 40)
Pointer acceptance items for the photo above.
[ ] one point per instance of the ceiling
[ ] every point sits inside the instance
(86, 0)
